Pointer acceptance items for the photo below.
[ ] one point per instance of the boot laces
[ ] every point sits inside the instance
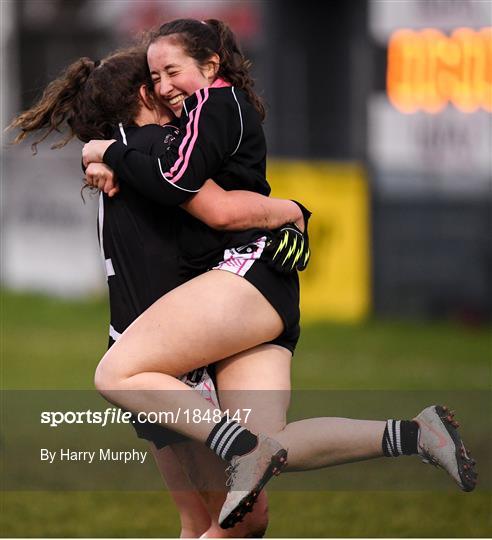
(431, 460)
(232, 473)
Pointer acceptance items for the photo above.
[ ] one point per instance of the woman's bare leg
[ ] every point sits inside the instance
(190, 471)
(181, 332)
(193, 514)
(211, 317)
(257, 379)
(261, 378)
(205, 469)
(208, 318)
(269, 414)
(322, 442)
(206, 472)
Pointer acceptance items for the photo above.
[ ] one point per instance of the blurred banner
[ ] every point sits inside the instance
(336, 284)
(429, 149)
(445, 154)
(385, 16)
(49, 233)
(430, 131)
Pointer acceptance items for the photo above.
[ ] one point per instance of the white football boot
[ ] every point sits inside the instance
(440, 444)
(248, 474)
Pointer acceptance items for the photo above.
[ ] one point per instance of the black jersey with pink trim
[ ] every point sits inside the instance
(220, 137)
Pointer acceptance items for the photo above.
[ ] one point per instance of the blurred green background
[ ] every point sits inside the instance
(54, 344)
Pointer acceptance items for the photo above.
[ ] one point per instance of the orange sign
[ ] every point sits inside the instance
(427, 70)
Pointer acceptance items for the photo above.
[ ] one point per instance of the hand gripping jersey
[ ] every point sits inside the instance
(220, 137)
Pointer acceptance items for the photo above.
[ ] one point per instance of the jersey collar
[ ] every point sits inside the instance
(220, 83)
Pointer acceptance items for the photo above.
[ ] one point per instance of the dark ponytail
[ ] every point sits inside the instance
(201, 39)
(89, 99)
(57, 105)
(234, 66)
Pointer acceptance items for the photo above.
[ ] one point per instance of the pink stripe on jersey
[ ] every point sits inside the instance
(184, 142)
(194, 118)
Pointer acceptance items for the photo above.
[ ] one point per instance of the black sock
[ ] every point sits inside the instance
(228, 439)
(400, 438)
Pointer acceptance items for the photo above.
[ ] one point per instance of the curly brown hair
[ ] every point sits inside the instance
(201, 39)
(88, 99)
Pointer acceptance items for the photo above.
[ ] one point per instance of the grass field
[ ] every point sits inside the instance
(52, 344)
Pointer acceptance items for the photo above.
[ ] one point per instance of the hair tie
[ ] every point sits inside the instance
(97, 63)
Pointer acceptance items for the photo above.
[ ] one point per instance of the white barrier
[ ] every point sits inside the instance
(49, 236)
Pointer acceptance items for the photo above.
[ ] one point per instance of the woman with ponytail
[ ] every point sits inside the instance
(242, 304)
(141, 245)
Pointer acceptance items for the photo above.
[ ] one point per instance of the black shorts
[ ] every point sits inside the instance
(157, 434)
(281, 290)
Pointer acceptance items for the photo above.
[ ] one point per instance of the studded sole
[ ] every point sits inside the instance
(277, 464)
(466, 465)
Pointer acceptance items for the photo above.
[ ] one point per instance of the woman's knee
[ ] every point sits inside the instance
(107, 377)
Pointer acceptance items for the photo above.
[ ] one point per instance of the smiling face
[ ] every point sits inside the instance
(176, 75)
